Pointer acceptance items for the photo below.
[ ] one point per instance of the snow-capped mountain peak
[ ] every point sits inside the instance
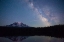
(18, 24)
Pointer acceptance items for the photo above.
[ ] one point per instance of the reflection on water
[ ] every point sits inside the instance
(33, 39)
(3, 39)
(43, 39)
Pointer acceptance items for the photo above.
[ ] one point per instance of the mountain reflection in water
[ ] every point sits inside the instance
(34, 39)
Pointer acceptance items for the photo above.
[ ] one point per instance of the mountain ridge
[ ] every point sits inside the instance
(17, 24)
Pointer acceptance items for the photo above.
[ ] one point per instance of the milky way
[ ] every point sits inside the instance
(36, 13)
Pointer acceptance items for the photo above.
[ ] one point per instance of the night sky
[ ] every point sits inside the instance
(35, 13)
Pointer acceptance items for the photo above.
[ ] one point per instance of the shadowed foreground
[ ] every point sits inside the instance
(53, 31)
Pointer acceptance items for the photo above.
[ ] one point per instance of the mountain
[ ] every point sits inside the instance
(17, 38)
(17, 24)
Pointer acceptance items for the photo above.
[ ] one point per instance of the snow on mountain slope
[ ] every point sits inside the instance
(17, 38)
(17, 24)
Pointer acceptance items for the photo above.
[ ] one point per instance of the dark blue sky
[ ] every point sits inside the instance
(37, 13)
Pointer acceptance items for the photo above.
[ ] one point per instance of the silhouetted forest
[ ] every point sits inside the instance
(53, 31)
